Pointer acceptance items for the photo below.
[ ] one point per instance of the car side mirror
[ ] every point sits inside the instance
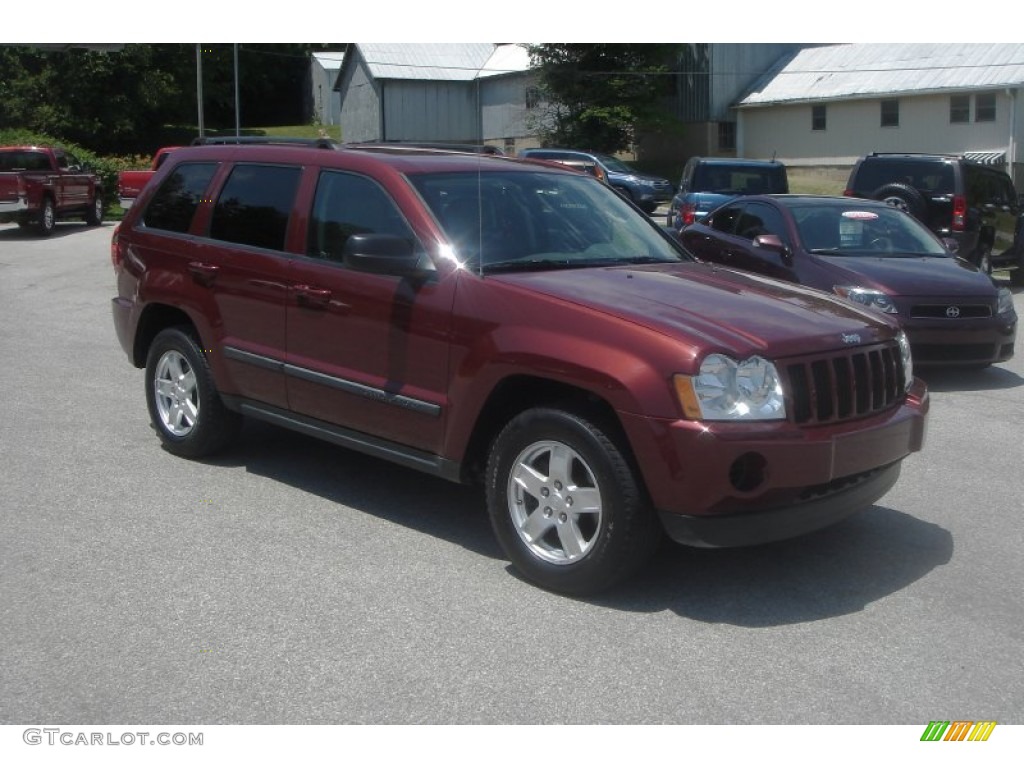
(774, 244)
(951, 245)
(383, 255)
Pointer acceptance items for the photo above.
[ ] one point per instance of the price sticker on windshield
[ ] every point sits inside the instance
(860, 215)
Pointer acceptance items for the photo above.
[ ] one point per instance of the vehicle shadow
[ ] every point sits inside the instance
(14, 233)
(829, 573)
(833, 572)
(436, 507)
(967, 380)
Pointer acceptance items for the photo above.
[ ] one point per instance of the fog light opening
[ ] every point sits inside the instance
(748, 472)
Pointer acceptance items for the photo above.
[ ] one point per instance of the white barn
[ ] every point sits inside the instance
(826, 106)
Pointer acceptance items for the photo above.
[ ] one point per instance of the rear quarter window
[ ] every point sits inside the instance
(175, 202)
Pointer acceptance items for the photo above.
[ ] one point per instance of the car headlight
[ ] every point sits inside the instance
(727, 390)
(1005, 302)
(868, 297)
(907, 359)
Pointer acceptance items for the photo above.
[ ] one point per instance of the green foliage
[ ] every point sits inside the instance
(598, 96)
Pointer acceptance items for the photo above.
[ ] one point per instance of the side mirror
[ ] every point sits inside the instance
(382, 255)
(951, 245)
(774, 244)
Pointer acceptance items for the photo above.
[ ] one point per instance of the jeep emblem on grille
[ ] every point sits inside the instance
(952, 312)
(851, 338)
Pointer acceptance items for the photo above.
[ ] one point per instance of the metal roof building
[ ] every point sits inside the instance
(455, 92)
(885, 69)
(828, 105)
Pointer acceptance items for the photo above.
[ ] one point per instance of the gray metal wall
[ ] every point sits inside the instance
(430, 111)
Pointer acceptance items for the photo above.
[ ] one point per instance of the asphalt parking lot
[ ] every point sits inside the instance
(295, 582)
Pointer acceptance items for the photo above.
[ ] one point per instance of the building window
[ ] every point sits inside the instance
(818, 117)
(890, 113)
(532, 97)
(985, 108)
(727, 136)
(959, 109)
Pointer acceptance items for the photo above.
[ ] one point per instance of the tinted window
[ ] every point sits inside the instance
(254, 206)
(724, 220)
(346, 205)
(175, 203)
(740, 179)
(935, 177)
(760, 219)
(24, 161)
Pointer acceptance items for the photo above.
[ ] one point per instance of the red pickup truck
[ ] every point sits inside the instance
(39, 185)
(130, 183)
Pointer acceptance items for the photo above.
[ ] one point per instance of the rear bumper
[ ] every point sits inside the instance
(13, 206)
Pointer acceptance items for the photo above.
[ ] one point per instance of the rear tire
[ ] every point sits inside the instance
(187, 412)
(47, 219)
(565, 503)
(94, 216)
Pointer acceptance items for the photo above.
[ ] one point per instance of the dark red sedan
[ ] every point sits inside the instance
(869, 253)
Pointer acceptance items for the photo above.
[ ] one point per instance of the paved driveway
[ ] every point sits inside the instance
(295, 582)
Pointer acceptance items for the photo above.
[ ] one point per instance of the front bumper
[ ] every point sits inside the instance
(975, 342)
(730, 484)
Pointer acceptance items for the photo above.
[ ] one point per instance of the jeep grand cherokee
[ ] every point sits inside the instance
(490, 320)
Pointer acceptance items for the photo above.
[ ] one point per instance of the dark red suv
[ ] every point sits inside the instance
(491, 320)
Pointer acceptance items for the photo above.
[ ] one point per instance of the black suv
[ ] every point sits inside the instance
(973, 204)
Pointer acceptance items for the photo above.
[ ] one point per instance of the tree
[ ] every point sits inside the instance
(598, 96)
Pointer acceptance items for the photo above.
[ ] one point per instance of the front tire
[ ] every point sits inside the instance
(186, 409)
(565, 503)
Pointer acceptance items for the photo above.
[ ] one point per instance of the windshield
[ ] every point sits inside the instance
(520, 221)
(864, 231)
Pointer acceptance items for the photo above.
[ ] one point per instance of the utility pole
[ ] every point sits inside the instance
(199, 86)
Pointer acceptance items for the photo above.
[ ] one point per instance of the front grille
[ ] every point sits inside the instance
(849, 384)
(950, 311)
(953, 353)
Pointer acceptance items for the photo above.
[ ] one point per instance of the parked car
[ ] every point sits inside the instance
(708, 182)
(975, 205)
(40, 185)
(130, 183)
(872, 254)
(647, 191)
(501, 322)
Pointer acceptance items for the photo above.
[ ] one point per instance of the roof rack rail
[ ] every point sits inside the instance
(916, 154)
(321, 143)
(437, 146)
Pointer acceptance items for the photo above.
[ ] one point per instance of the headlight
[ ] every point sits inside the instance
(867, 297)
(726, 390)
(1005, 302)
(907, 359)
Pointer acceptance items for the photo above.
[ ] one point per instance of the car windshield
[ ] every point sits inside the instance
(864, 231)
(524, 221)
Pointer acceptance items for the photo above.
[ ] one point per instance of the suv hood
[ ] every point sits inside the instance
(714, 307)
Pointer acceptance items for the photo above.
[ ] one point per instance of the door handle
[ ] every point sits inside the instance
(314, 298)
(203, 273)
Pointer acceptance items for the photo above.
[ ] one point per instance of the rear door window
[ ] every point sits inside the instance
(175, 203)
(254, 206)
